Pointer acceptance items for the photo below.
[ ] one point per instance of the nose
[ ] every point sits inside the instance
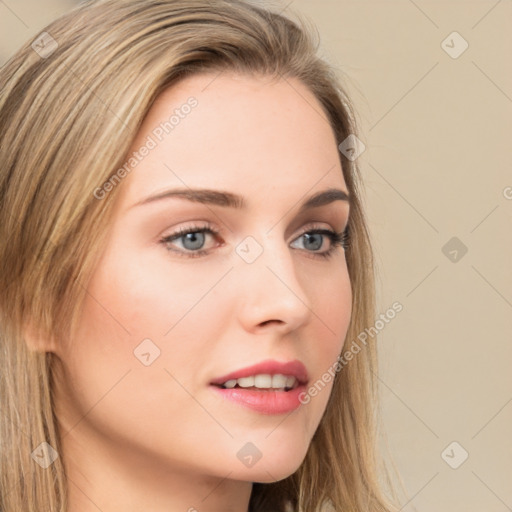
(270, 292)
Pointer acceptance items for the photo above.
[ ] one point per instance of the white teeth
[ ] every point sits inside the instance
(263, 381)
(279, 381)
(246, 382)
(290, 382)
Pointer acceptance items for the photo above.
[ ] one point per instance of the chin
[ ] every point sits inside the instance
(277, 464)
(268, 474)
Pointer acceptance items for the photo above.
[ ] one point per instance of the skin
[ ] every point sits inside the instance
(157, 437)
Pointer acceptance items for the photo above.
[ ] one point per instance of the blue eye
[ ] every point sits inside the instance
(193, 239)
(314, 240)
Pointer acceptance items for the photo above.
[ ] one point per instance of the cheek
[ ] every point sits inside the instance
(141, 302)
(148, 294)
(336, 303)
(332, 308)
(137, 313)
(332, 311)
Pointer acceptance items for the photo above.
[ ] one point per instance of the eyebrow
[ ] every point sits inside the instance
(230, 200)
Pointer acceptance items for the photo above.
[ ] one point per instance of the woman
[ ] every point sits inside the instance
(184, 254)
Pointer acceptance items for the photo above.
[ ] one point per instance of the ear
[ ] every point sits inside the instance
(36, 341)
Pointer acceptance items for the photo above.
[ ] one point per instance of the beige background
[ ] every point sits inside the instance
(437, 165)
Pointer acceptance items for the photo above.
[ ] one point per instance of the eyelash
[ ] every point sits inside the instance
(337, 239)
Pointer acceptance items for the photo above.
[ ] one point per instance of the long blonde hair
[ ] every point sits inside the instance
(71, 103)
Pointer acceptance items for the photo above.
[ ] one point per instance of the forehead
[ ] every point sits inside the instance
(249, 134)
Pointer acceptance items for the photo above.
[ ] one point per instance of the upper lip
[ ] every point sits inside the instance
(269, 367)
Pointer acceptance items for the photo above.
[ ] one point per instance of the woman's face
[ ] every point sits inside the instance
(166, 315)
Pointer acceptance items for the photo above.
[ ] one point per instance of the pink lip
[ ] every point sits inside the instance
(269, 367)
(266, 401)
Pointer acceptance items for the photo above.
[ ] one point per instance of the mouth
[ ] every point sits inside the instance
(270, 387)
(262, 382)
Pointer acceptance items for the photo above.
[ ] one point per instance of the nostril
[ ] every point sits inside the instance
(270, 321)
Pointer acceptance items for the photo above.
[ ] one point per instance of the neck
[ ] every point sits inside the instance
(112, 478)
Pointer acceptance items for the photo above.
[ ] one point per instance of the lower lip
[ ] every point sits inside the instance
(265, 402)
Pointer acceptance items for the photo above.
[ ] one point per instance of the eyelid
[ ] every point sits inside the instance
(316, 225)
(194, 228)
